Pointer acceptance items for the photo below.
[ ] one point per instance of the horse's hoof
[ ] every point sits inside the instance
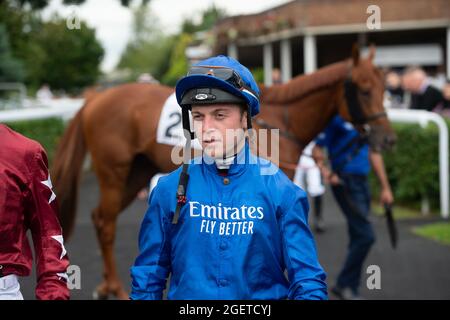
(99, 296)
(123, 296)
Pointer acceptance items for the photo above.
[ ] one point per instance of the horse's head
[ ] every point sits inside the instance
(364, 91)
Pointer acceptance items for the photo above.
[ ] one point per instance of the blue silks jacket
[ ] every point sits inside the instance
(236, 236)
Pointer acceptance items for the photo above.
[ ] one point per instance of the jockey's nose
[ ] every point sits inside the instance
(208, 123)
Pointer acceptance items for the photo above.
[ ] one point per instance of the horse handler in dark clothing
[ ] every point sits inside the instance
(350, 160)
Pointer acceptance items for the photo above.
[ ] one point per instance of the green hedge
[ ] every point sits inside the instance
(46, 131)
(413, 165)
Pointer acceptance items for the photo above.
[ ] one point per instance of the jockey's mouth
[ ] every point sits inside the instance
(210, 141)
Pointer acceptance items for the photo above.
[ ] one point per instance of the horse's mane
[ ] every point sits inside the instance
(304, 84)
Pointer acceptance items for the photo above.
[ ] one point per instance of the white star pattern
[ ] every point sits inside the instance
(60, 239)
(48, 184)
(63, 275)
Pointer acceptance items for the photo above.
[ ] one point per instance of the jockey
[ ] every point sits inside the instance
(27, 202)
(236, 227)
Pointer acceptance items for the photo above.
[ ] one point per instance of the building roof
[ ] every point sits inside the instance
(330, 16)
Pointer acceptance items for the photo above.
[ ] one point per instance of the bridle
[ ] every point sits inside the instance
(355, 109)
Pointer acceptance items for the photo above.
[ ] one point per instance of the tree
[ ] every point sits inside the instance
(209, 18)
(72, 57)
(11, 70)
(149, 48)
(178, 62)
(21, 27)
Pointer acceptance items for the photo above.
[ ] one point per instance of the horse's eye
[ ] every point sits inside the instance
(365, 93)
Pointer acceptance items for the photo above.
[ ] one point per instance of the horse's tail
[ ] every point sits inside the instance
(66, 171)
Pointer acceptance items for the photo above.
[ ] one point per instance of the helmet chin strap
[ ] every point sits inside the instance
(249, 118)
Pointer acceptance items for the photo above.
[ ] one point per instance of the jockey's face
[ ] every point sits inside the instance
(220, 128)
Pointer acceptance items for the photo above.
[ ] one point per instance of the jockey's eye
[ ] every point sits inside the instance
(197, 117)
(220, 115)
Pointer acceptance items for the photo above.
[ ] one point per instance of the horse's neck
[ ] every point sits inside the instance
(310, 115)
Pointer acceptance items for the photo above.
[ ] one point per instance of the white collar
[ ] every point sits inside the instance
(224, 163)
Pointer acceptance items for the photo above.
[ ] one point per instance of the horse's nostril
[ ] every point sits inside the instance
(390, 140)
(394, 139)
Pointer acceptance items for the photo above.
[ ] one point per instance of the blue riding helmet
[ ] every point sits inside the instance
(223, 73)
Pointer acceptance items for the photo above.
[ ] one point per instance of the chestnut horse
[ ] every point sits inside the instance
(118, 128)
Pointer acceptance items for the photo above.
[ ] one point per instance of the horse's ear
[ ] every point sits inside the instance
(372, 50)
(355, 54)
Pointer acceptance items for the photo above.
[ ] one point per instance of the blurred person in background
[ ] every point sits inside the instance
(424, 96)
(44, 93)
(146, 78)
(394, 92)
(308, 177)
(444, 107)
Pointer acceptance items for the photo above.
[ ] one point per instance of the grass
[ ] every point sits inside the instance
(439, 232)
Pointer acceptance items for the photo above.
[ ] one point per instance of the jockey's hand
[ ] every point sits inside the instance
(386, 197)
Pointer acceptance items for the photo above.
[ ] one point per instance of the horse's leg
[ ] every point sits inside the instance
(139, 176)
(104, 218)
(113, 200)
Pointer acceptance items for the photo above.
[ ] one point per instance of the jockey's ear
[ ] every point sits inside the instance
(244, 122)
(355, 54)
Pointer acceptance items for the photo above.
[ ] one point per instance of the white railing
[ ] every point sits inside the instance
(64, 108)
(14, 86)
(423, 117)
